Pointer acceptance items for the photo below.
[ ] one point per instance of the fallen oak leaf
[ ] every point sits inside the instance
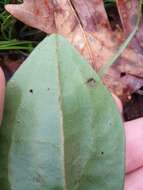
(86, 26)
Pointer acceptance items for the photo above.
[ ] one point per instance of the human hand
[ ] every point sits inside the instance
(134, 152)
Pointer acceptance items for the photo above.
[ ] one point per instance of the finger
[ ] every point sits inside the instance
(134, 144)
(134, 181)
(118, 102)
(2, 90)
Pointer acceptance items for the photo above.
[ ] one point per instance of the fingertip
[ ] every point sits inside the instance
(134, 144)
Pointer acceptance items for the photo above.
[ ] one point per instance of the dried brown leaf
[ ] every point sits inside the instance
(86, 25)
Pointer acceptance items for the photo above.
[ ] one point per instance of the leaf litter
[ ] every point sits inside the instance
(86, 25)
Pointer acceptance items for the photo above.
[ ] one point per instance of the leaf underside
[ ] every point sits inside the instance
(61, 128)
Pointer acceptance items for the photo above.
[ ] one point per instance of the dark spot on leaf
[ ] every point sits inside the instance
(91, 82)
(39, 178)
(102, 153)
(123, 74)
(18, 121)
(48, 89)
(31, 91)
(77, 181)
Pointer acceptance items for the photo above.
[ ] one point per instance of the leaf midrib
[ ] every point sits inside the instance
(61, 111)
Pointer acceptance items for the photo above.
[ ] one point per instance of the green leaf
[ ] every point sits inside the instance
(61, 128)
